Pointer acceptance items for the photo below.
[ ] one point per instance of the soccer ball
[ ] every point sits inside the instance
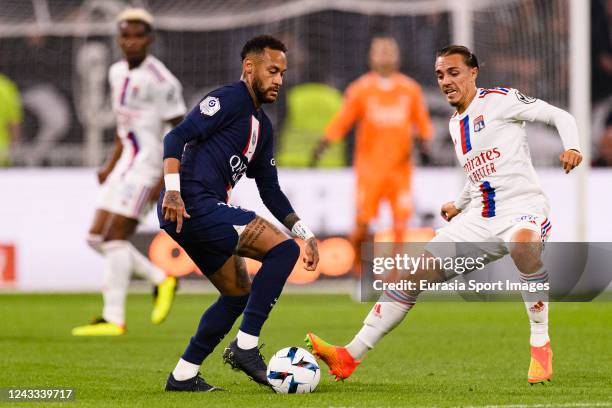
(293, 370)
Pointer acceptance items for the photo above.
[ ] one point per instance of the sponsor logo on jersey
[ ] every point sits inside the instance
(524, 98)
(482, 165)
(238, 167)
(479, 124)
(210, 105)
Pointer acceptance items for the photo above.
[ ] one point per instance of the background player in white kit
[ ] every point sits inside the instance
(146, 98)
(502, 204)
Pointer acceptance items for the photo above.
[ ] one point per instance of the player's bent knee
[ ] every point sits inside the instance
(258, 238)
(526, 250)
(287, 253)
(287, 248)
(525, 236)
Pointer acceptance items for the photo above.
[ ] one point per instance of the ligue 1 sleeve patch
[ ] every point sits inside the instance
(524, 98)
(210, 105)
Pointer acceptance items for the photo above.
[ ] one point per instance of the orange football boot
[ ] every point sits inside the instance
(341, 363)
(540, 369)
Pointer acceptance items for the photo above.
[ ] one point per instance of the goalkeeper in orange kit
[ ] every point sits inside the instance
(386, 106)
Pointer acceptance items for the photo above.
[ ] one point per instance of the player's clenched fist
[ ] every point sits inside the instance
(449, 211)
(173, 209)
(570, 159)
(311, 255)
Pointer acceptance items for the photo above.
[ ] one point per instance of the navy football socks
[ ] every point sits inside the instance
(215, 323)
(268, 285)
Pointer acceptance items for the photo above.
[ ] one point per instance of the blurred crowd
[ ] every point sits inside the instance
(46, 125)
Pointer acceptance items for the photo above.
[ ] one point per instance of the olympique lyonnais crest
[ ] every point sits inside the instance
(479, 124)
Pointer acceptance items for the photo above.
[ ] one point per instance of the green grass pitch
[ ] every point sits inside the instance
(443, 354)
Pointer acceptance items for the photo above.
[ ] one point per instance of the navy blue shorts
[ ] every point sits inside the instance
(210, 238)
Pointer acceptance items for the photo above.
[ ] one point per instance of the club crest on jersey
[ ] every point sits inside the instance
(210, 105)
(479, 124)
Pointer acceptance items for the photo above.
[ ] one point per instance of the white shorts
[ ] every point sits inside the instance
(125, 195)
(471, 234)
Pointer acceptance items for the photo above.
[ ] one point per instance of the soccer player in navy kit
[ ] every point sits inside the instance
(226, 136)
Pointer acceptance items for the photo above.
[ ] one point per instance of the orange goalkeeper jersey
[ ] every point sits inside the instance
(386, 112)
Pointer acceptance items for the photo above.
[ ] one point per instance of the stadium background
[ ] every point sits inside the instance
(58, 53)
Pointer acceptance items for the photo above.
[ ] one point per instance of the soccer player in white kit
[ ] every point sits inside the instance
(146, 99)
(502, 204)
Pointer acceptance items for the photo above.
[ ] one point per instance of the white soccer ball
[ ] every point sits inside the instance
(293, 370)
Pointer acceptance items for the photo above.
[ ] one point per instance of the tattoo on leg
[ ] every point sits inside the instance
(253, 231)
(242, 275)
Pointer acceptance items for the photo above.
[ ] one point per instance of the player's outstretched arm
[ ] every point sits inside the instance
(341, 123)
(318, 152)
(568, 131)
(532, 109)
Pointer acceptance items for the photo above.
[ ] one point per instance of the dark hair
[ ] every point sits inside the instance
(469, 58)
(259, 43)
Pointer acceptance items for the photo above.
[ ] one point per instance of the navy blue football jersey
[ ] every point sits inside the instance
(219, 141)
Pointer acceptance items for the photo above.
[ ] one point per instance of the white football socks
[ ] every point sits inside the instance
(145, 268)
(246, 341)
(386, 314)
(536, 304)
(117, 273)
(185, 370)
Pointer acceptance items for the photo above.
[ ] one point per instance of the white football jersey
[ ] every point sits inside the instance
(143, 100)
(491, 146)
